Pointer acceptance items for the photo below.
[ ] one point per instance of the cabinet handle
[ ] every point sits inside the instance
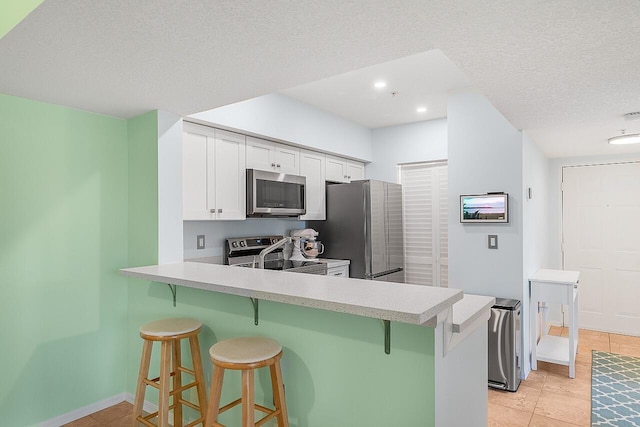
(345, 177)
(349, 177)
(219, 210)
(278, 164)
(212, 210)
(273, 165)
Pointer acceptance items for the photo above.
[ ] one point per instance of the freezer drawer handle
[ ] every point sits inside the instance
(386, 273)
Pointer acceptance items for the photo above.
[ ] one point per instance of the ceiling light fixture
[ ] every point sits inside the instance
(421, 109)
(380, 84)
(623, 139)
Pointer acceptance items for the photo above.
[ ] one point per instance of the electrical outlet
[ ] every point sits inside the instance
(493, 241)
(200, 241)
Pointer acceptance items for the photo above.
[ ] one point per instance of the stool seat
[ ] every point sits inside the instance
(170, 327)
(245, 350)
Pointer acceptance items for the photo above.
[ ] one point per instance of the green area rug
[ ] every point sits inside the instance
(615, 390)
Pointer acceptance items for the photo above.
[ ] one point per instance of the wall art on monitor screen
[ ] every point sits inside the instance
(484, 208)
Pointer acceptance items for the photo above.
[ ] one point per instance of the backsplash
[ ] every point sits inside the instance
(216, 231)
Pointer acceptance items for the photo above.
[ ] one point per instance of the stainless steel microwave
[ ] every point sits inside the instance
(272, 194)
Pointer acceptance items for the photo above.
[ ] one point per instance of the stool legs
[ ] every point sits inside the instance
(142, 376)
(214, 399)
(177, 383)
(169, 382)
(199, 376)
(165, 377)
(278, 394)
(248, 398)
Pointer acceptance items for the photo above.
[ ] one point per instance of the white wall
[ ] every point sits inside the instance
(280, 117)
(485, 155)
(413, 142)
(169, 188)
(216, 231)
(536, 220)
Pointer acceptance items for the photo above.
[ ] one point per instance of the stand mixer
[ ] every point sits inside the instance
(305, 245)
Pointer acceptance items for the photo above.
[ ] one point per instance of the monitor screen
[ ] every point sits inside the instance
(484, 208)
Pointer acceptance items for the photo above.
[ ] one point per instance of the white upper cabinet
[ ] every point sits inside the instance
(312, 166)
(214, 178)
(343, 170)
(271, 156)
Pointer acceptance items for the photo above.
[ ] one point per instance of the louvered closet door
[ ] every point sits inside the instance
(424, 188)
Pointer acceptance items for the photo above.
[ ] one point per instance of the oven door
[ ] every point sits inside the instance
(275, 194)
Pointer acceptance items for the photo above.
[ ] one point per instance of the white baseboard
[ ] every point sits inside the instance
(95, 407)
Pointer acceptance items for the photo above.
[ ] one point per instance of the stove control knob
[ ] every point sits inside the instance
(243, 243)
(234, 244)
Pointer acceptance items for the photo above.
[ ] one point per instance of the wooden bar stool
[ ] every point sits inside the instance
(170, 332)
(247, 354)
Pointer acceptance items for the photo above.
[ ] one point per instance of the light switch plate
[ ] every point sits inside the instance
(493, 241)
(200, 241)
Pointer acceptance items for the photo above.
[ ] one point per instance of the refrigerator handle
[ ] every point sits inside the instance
(384, 273)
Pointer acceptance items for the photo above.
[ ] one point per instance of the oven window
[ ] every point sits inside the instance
(275, 194)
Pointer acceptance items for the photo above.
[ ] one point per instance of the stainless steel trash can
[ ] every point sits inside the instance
(505, 344)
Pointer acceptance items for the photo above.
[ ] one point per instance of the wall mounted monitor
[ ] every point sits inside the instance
(484, 208)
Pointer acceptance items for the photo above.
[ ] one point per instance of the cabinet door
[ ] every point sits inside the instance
(229, 175)
(342, 271)
(194, 177)
(336, 169)
(287, 159)
(355, 171)
(312, 166)
(260, 154)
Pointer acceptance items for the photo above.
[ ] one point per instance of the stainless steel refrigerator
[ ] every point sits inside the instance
(364, 225)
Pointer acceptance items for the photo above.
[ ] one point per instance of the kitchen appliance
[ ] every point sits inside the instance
(244, 251)
(364, 225)
(272, 194)
(305, 245)
(504, 344)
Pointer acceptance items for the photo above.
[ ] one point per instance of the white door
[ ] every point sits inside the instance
(312, 166)
(355, 171)
(230, 177)
(424, 202)
(336, 169)
(260, 154)
(601, 239)
(287, 159)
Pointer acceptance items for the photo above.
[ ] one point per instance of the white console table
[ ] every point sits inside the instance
(556, 287)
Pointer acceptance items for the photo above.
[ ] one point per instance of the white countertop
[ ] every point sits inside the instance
(405, 303)
(562, 277)
(470, 309)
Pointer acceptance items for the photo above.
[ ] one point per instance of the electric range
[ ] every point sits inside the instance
(244, 251)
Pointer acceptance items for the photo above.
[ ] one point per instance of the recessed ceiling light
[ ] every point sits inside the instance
(380, 84)
(421, 109)
(632, 138)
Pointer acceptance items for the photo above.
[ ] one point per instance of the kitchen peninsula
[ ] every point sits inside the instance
(335, 370)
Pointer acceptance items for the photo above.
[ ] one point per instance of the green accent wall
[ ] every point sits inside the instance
(14, 11)
(63, 236)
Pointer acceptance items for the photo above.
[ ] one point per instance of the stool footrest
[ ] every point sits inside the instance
(183, 388)
(229, 405)
(189, 404)
(193, 423)
(270, 414)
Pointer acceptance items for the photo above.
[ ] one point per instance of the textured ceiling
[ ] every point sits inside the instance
(418, 80)
(548, 66)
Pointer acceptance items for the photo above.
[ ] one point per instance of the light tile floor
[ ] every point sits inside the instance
(547, 398)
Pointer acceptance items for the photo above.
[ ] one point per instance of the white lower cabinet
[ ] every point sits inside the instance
(214, 177)
(341, 271)
(312, 167)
